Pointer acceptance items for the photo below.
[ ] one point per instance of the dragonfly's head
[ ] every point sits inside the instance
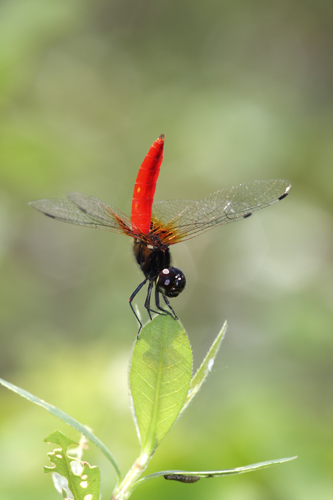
(170, 281)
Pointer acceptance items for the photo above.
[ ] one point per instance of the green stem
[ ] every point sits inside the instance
(127, 486)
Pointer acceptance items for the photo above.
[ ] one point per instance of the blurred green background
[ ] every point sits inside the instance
(242, 91)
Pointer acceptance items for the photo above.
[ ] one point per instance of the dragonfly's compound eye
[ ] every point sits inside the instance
(170, 282)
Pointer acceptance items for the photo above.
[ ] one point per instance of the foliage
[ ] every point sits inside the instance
(161, 388)
(83, 480)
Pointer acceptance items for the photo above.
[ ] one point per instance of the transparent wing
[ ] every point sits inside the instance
(185, 219)
(84, 210)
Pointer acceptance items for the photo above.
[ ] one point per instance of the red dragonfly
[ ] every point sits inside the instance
(154, 227)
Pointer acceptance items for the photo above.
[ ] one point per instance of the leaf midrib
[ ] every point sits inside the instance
(151, 444)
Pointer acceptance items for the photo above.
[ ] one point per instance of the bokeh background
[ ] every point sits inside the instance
(242, 91)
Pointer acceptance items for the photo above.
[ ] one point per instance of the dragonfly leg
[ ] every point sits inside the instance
(157, 302)
(136, 291)
(148, 298)
(169, 306)
(147, 302)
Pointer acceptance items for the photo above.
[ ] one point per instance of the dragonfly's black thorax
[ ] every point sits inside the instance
(151, 259)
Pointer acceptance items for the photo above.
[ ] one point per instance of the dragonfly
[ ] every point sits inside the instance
(155, 226)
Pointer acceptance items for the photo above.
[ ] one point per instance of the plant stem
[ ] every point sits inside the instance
(126, 487)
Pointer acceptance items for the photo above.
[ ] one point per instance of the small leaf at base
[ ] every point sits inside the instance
(83, 480)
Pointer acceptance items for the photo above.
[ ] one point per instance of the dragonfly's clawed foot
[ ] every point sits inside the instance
(172, 313)
(160, 311)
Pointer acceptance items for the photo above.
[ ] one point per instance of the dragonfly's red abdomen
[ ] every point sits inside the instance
(145, 185)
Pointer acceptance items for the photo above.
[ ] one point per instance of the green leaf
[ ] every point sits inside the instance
(205, 368)
(65, 418)
(83, 480)
(184, 476)
(160, 377)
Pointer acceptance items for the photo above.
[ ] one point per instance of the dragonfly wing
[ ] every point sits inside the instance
(191, 218)
(84, 210)
(101, 212)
